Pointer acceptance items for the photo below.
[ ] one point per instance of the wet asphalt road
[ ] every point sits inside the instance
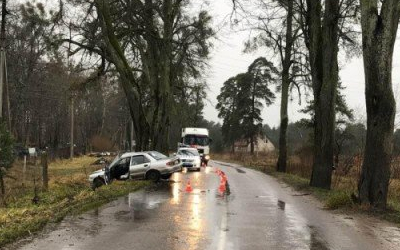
(259, 213)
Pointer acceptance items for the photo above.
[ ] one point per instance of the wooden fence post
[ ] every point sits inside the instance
(45, 176)
(24, 172)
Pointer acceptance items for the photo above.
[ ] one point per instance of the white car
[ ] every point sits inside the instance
(190, 158)
(150, 165)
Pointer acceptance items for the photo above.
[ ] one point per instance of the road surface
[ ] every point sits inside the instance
(259, 213)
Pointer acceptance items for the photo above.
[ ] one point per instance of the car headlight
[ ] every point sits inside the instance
(207, 157)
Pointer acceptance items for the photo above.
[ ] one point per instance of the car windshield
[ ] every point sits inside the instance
(201, 140)
(157, 155)
(188, 152)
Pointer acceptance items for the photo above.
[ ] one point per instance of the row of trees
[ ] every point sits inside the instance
(157, 48)
(109, 65)
(307, 35)
(102, 73)
(41, 79)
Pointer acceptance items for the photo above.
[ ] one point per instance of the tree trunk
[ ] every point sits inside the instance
(323, 48)
(165, 48)
(252, 145)
(128, 80)
(254, 130)
(103, 115)
(378, 34)
(282, 158)
(2, 47)
(128, 135)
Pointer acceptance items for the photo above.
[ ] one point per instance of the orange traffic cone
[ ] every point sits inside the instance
(222, 186)
(224, 178)
(189, 187)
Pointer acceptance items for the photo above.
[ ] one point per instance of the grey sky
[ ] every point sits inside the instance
(228, 60)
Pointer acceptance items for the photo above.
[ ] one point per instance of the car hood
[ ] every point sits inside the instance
(191, 157)
(98, 172)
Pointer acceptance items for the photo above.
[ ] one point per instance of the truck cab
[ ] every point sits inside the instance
(197, 138)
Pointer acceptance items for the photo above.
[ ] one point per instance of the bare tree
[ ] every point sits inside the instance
(322, 42)
(379, 23)
(286, 64)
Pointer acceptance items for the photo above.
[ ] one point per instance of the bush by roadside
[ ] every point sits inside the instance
(69, 193)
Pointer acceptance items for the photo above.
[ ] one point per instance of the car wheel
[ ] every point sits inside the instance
(166, 176)
(98, 182)
(153, 175)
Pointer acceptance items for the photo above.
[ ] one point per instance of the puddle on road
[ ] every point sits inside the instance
(240, 171)
(316, 243)
(224, 164)
(142, 205)
(281, 205)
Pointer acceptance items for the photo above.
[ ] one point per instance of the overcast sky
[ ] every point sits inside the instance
(229, 60)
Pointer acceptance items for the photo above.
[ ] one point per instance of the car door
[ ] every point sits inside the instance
(120, 170)
(139, 166)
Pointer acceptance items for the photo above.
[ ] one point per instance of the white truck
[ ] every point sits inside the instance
(197, 138)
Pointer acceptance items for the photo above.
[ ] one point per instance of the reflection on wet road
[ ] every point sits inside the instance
(258, 213)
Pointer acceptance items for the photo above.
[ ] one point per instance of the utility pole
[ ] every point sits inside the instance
(72, 128)
(72, 99)
(131, 136)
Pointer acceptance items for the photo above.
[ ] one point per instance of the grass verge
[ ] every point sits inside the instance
(68, 194)
(336, 198)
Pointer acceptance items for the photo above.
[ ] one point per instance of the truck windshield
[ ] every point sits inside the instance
(201, 140)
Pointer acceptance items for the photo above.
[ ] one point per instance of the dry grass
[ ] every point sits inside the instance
(60, 172)
(68, 193)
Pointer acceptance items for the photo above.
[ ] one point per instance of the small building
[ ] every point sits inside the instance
(261, 145)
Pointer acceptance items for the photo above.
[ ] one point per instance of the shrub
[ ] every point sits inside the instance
(338, 199)
(101, 143)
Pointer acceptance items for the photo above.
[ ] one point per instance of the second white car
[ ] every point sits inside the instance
(190, 158)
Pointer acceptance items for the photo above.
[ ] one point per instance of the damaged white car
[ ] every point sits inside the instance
(150, 165)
